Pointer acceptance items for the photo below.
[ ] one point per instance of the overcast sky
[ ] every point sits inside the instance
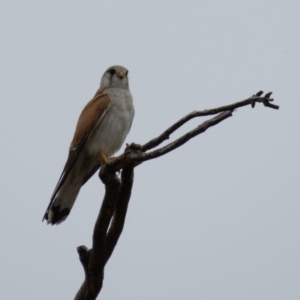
(216, 219)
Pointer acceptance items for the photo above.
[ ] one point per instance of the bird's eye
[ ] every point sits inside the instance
(112, 72)
(126, 73)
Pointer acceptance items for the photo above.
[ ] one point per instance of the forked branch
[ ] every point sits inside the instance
(111, 218)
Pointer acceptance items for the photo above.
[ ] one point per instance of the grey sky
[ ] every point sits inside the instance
(216, 219)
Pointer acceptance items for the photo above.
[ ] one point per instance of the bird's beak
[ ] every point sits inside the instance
(120, 74)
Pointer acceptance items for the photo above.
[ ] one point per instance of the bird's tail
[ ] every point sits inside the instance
(63, 203)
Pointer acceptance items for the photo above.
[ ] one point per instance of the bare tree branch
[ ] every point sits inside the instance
(107, 231)
(257, 98)
(111, 218)
(186, 137)
(118, 220)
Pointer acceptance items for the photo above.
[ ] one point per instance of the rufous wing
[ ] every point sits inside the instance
(87, 122)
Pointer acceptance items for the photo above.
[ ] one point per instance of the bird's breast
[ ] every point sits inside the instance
(114, 125)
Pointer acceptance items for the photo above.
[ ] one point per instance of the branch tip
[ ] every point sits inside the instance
(84, 255)
(82, 250)
(268, 95)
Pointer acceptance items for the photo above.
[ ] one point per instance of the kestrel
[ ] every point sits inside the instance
(100, 132)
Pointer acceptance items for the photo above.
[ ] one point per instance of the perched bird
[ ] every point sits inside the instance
(100, 132)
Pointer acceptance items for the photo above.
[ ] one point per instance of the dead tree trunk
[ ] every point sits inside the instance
(111, 218)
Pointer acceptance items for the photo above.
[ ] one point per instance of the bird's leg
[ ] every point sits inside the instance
(104, 158)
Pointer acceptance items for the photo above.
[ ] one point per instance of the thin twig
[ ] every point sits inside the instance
(186, 137)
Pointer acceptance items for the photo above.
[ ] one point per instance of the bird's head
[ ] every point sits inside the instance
(115, 76)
